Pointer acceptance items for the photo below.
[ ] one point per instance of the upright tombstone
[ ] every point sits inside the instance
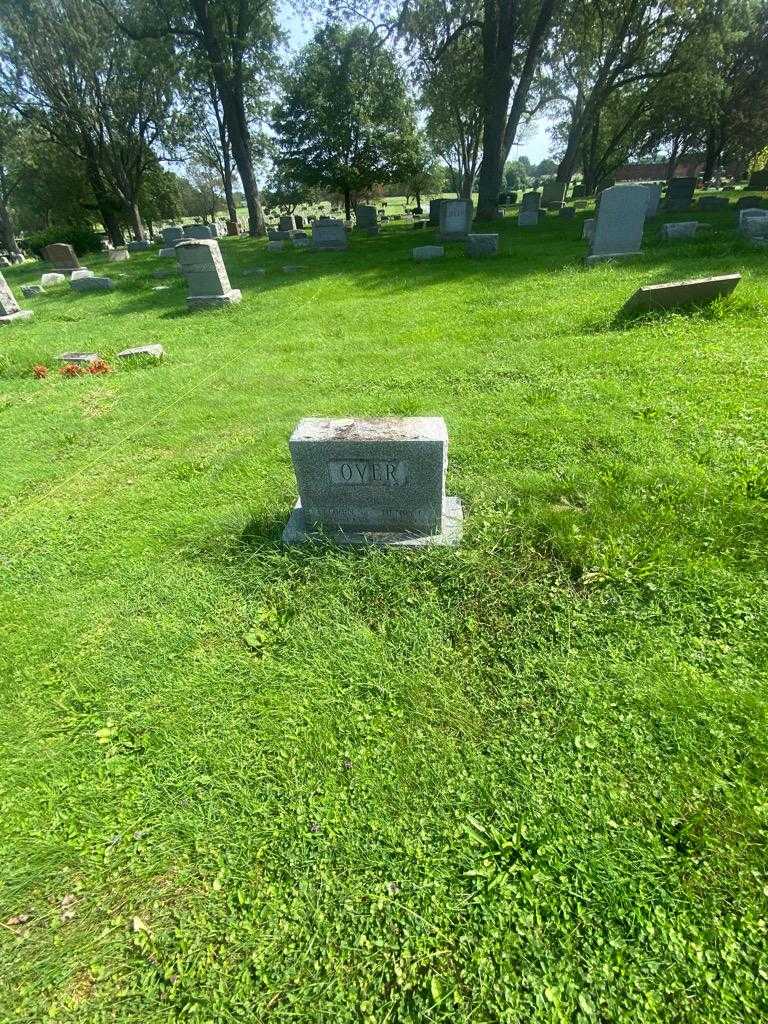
(287, 223)
(199, 231)
(710, 204)
(62, 257)
(680, 194)
(434, 212)
(749, 203)
(759, 180)
(619, 223)
(171, 238)
(118, 255)
(531, 202)
(455, 219)
(207, 280)
(579, 191)
(588, 230)
(329, 235)
(753, 224)
(373, 481)
(300, 223)
(10, 310)
(140, 245)
(553, 194)
(367, 216)
(654, 198)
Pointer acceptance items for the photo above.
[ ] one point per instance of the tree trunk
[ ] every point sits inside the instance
(672, 162)
(7, 235)
(104, 202)
(136, 225)
(713, 152)
(500, 127)
(348, 204)
(568, 163)
(467, 181)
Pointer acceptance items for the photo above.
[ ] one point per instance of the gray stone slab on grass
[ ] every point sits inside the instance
(29, 291)
(683, 229)
(754, 227)
(428, 252)
(81, 274)
(367, 216)
(671, 294)
(199, 231)
(50, 280)
(619, 223)
(143, 351)
(92, 284)
(207, 280)
(79, 357)
(482, 245)
(139, 245)
(373, 481)
(455, 219)
(172, 236)
(118, 255)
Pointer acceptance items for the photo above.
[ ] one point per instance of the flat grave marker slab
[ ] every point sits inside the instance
(671, 294)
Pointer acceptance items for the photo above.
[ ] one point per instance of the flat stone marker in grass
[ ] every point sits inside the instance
(427, 252)
(680, 194)
(455, 219)
(207, 279)
(140, 245)
(710, 204)
(619, 223)
(373, 481)
(10, 310)
(79, 357)
(62, 257)
(142, 351)
(683, 229)
(81, 274)
(329, 235)
(482, 245)
(49, 280)
(528, 218)
(695, 291)
(92, 284)
(118, 255)
(29, 291)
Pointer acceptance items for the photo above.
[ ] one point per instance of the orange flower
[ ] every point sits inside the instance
(40, 371)
(70, 370)
(99, 366)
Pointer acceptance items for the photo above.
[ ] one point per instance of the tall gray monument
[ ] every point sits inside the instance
(373, 481)
(207, 279)
(619, 223)
(455, 219)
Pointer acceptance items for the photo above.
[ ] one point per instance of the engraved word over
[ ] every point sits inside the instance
(367, 472)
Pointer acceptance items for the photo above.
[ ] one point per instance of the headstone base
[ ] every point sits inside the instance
(229, 298)
(604, 257)
(23, 314)
(298, 531)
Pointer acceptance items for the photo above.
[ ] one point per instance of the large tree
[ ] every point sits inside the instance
(12, 171)
(345, 122)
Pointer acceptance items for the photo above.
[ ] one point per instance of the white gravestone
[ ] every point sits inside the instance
(373, 481)
(619, 223)
(10, 310)
(201, 264)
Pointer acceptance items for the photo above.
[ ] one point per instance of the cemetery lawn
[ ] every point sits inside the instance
(524, 781)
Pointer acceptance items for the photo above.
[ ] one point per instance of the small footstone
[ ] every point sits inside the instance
(697, 290)
(275, 246)
(79, 357)
(528, 218)
(118, 255)
(80, 275)
(482, 245)
(152, 351)
(428, 252)
(48, 280)
(29, 291)
(683, 229)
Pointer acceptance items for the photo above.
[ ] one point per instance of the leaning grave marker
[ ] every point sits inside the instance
(373, 481)
(671, 294)
(619, 223)
(62, 257)
(202, 265)
(10, 310)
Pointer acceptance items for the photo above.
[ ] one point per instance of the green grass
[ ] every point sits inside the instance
(523, 781)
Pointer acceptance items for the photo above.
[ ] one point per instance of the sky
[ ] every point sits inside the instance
(298, 28)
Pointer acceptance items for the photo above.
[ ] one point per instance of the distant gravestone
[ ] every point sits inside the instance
(91, 284)
(566, 213)
(300, 222)
(710, 204)
(696, 291)
(455, 219)
(171, 238)
(528, 218)
(427, 252)
(329, 235)
(683, 229)
(434, 212)
(10, 310)
(62, 256)
(49, 280)
(588, 230)
(531, 201)
(275, 246)
(754, 223)
(759, 180)
(553, 194)
(118, 255)
(287, 223)
(654, 198)
(367, 217)
(482, 245)
(579, 191)
(749, 203)
(680, 194)
(139, 246)
(207, 279)
(373, 481)
(199, 231)
(619, 223)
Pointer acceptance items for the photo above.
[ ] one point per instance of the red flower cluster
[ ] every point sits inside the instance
(40, 371)
(99, 366)
(70, 370)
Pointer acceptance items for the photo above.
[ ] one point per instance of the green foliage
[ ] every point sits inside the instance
(345, 122)
(81, 237)
(523, 782)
